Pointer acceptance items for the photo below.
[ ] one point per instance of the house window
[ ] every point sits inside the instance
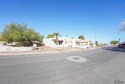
(77, 43)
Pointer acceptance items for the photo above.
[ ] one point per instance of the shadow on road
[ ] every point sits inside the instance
(116, 49)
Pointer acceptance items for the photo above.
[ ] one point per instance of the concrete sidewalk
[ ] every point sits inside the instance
(41, 51)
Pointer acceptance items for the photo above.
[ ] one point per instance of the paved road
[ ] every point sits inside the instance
(102, 66)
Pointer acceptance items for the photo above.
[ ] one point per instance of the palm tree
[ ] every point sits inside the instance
(56, 34)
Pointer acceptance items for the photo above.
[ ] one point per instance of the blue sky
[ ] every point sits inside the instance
(69, 17)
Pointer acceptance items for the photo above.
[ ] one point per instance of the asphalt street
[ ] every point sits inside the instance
(102, 66)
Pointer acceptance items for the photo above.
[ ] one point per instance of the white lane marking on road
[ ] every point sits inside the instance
(76, 59)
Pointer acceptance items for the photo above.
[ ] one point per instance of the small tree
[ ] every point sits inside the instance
(50, 36)
(114, 42)
(96, 43)
(33, 36)
(81, 37)
(122, 26)
(20, 33)
(9, 33)
(1, 37)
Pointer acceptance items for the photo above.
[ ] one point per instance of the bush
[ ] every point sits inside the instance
(5, 43)
(20, 33)
(114, 42)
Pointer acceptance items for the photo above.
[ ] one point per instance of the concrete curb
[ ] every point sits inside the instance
(39, 52)
(24, 53)
(34, 52)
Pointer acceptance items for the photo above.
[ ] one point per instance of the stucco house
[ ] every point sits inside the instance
(66, 42)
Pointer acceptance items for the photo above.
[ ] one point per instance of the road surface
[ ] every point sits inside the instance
(102, 66)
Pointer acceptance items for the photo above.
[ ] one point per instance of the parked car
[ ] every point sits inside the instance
(123, 46)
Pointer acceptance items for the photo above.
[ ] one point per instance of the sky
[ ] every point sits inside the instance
(91, 18)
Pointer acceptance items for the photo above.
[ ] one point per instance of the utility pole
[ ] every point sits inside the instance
(95, 38)
(119, 40)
